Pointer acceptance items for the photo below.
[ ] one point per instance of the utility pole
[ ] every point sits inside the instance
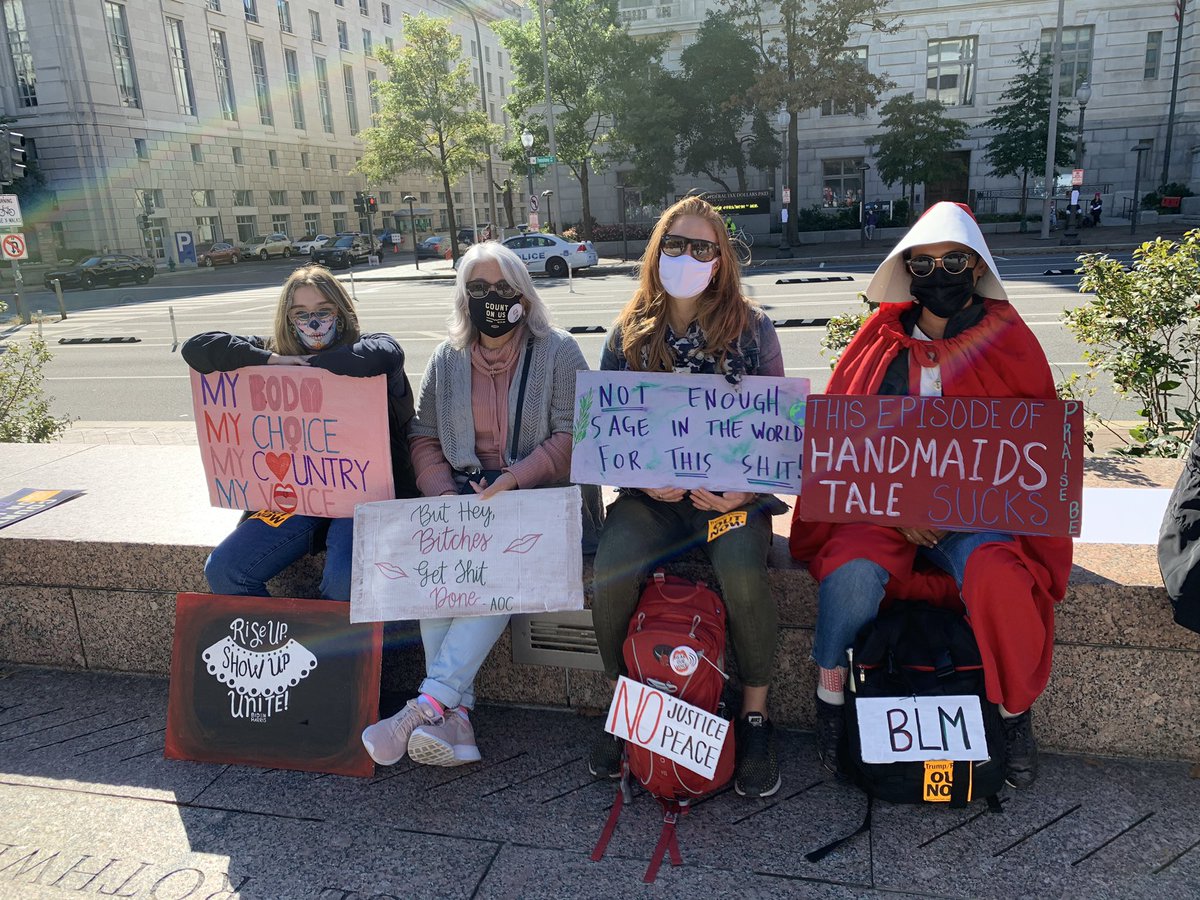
(1181, 9)
(1052, 131)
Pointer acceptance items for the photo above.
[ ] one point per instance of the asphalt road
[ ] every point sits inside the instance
(148, 381)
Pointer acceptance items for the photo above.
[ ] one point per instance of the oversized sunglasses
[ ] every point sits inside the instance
(301, 316)
(480, 289)
(702, 251)
(955, 263)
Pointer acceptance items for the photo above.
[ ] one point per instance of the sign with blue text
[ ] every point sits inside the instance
(659, 429)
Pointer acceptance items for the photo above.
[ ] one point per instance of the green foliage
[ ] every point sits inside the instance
(24, 410)
(917, 137)
(1153, 200)
(427, 121)
(1142, 327)
(840, 330)
(583, 417)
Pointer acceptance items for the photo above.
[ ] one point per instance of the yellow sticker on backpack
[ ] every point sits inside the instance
(939, 780)
(271, 517)
(727, 522)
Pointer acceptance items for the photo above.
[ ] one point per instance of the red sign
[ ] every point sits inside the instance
(14, 246)
(1076, 177)
(960, 463)
(1171, 202)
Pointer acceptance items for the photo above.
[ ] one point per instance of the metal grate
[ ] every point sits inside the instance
(556, 639)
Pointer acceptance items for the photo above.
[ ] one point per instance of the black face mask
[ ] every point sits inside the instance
(944, 294)
(495, 316)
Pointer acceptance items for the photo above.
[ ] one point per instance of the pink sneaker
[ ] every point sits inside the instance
(450, 742)
(387, 740)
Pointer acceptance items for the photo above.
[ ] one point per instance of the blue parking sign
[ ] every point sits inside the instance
(185, 247)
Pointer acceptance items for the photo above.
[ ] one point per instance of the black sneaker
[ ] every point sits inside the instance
(757, 773)
(606, 757)
(831, 731)
(1020, 747)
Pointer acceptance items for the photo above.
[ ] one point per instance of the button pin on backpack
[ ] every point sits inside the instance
(684, 660)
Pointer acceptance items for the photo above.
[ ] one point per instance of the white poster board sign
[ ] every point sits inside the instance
(657, 429)
(903, 729)
(443, 557)
(653, 719)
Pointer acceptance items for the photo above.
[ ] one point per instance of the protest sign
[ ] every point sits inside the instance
(442, 557)
(29, 502)
(653, 719)
(904, 729)
(656, 429)
(272, 682)
(958, 463)
(294, 439)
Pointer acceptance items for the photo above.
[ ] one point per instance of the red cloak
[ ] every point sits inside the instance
(1010, 588)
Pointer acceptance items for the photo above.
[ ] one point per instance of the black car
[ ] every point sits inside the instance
(109, 269)
(343, 252)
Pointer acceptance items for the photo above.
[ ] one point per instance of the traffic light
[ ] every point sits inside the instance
(372, 205)
(147, 203)
(360, 203)
(144, 222)
(12, 155)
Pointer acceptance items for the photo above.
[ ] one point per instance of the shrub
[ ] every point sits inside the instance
(840, 330)
(1153, 200)
(24, 410)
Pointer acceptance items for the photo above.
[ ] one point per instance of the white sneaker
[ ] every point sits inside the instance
(387, 740)
(450, 742)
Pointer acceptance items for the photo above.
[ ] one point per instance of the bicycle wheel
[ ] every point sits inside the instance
(747, 238)
(742, 250)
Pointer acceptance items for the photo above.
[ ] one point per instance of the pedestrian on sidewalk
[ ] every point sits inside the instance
(1097, 208)
(496, 414)
(872, 221)
(315, 325)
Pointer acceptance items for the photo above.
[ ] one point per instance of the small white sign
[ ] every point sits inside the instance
(10, 211)
(662, 724)
(904, 729)
(373, 261)
(14, 246)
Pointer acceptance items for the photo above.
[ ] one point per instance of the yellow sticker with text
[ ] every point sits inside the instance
(38, 496)
(727, 522)
(939, 779)
(271, 517)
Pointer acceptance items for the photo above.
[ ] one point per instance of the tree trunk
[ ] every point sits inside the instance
(912, 201)
(450, 214)
(1024, 199)
(741, 175)
(586, 198)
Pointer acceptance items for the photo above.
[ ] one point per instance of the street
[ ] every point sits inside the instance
(148, 381)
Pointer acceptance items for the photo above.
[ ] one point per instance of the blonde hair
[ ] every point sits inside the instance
(722, 311)
(284, 341)
(537, 318)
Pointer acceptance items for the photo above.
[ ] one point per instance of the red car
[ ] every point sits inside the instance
(218, 253)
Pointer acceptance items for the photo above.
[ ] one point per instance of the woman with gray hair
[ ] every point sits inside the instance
(495, 414)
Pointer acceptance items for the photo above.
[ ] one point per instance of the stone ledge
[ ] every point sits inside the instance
(91, 584)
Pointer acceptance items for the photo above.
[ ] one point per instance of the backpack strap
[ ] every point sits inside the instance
(667, 841)
(615, 813)
(821, 852)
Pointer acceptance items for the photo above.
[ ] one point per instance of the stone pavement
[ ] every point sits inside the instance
(89, 807)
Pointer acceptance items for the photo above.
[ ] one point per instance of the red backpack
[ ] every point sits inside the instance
(673, 613)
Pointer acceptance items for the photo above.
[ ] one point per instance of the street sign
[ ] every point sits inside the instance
(14, 246)
(787, 196)
(546, 160)
(534, 203)
(185, 248)
(10, 211)
(533, 221)
(1076, 177)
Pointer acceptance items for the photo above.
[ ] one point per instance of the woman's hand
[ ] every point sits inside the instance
(923, 537)
(506, 482)
(277, 360)
(720, 503)
(665, 495)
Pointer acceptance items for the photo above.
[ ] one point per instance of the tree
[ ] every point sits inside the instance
(801, 46)
(426, 121)
(1021, 125)
(598, 74)
(24, 410)
(918, 135)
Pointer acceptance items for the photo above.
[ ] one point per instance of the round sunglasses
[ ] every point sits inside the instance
(954, 263)
(701, 250)
(480, 289)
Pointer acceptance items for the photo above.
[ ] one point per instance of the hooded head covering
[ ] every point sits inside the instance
(941, 222)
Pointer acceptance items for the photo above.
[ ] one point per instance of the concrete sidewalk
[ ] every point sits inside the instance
(90, 808)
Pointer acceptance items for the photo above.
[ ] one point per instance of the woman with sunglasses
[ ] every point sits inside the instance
(945, 328)
(688, 315)
(495, 414)
(315, 325)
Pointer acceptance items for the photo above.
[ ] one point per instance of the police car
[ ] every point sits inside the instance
(552, 254)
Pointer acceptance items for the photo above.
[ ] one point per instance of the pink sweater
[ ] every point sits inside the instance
(491, 378)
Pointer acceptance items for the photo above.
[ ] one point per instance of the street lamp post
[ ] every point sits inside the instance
(412, 226)
(1139, 149)
(527, 143)
(783, 119)
(545, 15)
(863, 169)
(1071, 235)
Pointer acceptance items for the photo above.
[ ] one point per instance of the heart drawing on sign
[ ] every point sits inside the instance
(279, 463)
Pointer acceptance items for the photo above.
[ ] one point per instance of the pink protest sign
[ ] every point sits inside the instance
(293, 439)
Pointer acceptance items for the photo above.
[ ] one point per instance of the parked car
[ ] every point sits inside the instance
(109, 269)
(552, 254)
(345, 251)
(309, 243)
(218, 254)
(435, 247)
(265, 246)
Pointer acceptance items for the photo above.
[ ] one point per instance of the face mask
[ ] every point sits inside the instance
(943, 294)
(493, 315)
(683, 276)
(316, 333)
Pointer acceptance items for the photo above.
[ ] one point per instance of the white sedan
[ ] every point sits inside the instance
(552, 254)
(309, 244)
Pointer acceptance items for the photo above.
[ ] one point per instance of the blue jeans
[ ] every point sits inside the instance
(454, 651)
(850, 595)
(254, 553)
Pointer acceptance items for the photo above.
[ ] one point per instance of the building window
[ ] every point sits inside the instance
(829, 107)
(500, 58)
(372, 93)
(237, 156)
(323, 102)
(305, 159)
(308, 198)
(214, 5)
(220, 51)
(208, 229)
(180, 71)
(18, 48)
(368, 46)
(474, 49)
(197, 153)
(278, 198)
(312, 224)
(291, 67)
(243, 198)
(314, 25)
(950, 71)
(281, 223)
(351, 105)
(122, 53)
(502, 87)
(273, 158)
(458, 198)
(204, 198)
(390, 44)
(140, 148)
(843, 181)
(262, 91)
(333, 162)
(489, 82)
(247, 228)
(337, 198)
(1153, 54)
(339, 222)
(1077, 42)
(251, 7)
(285, 16)
(339, 2)
(386, 9)
(152, 197)
(59, 236)
(425, 196)
(343, 35)
(385, 197)
(363, 8)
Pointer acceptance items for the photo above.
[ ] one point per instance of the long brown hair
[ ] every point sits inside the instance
(284, 342)
(723, 312)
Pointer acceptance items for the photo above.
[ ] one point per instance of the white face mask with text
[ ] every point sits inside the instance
(683, 276)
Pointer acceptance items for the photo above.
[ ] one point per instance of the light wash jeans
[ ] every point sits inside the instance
(454, 651)
(849, 596)
(255, 552)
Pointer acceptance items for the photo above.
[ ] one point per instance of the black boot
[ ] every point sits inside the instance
(831, 731)
(1021, 750)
